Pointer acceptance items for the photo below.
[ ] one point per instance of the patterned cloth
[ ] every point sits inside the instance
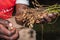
(6, 7)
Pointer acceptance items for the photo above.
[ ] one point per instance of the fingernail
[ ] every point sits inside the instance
(10, 24)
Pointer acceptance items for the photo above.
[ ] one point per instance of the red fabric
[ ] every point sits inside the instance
(4, 6)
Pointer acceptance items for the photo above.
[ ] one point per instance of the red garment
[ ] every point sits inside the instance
(6, 8)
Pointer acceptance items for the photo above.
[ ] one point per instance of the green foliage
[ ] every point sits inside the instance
(54, 8)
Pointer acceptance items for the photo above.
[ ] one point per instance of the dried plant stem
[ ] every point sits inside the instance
(42, 31)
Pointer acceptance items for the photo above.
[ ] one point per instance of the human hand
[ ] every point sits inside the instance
(6, 33)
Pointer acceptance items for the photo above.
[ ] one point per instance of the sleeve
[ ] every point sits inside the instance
(26, 2)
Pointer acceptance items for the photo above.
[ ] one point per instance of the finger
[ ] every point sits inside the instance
(48, 19)
(4, 36)
(5, 31)
(2, 21)
(15, 36)
(6, 23)
(52, 15)
(13, 31)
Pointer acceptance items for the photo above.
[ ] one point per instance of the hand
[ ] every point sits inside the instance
(47, 18)
(7, 34)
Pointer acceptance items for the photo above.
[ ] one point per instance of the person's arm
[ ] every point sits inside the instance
(20, 5)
